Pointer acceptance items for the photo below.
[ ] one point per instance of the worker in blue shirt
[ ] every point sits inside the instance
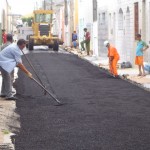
(10, 57)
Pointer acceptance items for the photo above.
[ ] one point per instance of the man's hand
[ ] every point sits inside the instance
(144, 49)
(29, 75)
(111, 58)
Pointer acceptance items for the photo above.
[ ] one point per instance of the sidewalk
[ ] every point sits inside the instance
(128, 74)
(9, 121)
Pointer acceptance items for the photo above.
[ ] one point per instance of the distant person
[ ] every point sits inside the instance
(4, 38)
(141, 47)
(15, 36)
(74, 39)
(10, 57)
(113, 58)
(9, 41)
(86, 41)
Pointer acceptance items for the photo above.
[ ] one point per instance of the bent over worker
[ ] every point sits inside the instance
(10, 57)
(113, 58)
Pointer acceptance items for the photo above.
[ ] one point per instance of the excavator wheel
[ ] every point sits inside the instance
(30, 44)
(56, 46)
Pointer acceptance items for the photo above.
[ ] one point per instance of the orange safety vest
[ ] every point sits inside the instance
(112, 51)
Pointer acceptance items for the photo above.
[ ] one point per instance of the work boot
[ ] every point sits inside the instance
(116, 76)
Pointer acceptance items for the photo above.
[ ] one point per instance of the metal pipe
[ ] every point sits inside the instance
(53, 96)
(34, 70)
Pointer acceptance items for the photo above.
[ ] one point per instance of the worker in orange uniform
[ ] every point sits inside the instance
(113, 59)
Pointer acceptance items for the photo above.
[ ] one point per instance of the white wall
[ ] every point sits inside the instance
(85, 18)
(2, 9)
(106, 24)
(147, 22)
(4, 18)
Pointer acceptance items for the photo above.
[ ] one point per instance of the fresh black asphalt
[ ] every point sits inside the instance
(99, 112)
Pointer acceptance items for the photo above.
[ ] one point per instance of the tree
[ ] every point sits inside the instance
(28, 20)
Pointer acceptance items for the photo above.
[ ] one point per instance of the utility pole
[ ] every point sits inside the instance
(51, 9)
(66, 12)
(44, 5)
(51, 4)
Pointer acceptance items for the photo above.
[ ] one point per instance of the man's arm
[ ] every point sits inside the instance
(145, 47)
(23, 68)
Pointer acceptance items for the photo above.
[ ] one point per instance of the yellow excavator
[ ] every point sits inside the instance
(42, 25)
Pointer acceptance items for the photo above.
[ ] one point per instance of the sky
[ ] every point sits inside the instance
(22, 7)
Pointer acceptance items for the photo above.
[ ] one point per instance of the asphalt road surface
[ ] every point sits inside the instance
(99, 112)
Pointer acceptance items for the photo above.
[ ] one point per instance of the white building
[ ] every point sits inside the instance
(120, 22)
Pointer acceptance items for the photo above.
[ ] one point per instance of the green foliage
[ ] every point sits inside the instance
(5, 131)
(28, 20)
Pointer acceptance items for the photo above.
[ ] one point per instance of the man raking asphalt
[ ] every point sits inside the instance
(10, 57)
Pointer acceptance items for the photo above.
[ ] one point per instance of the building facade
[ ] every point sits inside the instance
(120, 22)
(133, 18)
(5, 19)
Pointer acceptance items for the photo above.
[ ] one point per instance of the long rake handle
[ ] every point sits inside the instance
(34, 70)
(46, 91)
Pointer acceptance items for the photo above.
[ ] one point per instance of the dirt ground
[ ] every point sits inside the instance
(9, 123)
(99, 112)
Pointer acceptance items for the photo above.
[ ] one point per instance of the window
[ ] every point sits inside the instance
(120, 20)
(103, 17)
(43, 18)
(128, 21)
(99, 17)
